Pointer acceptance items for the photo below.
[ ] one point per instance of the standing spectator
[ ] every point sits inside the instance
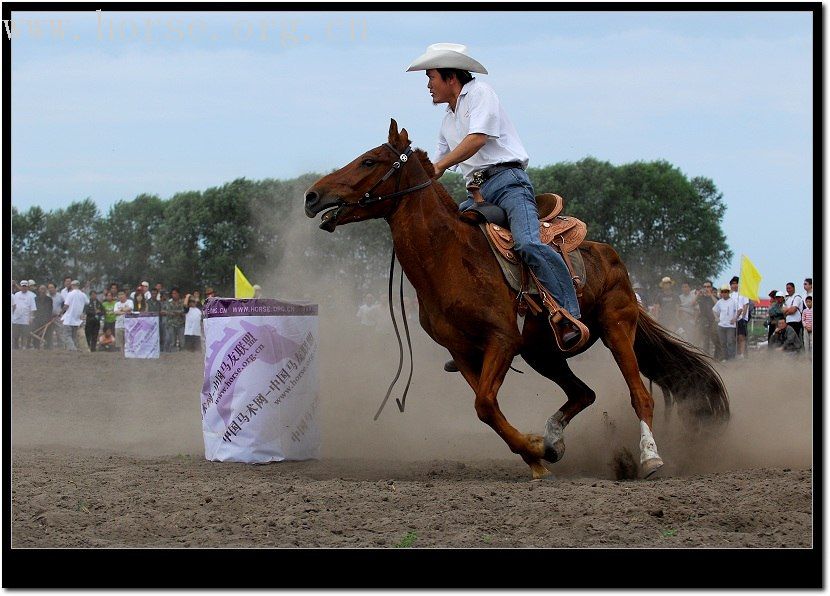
(23, 312)
(707, 323)
(198, 296)
(174, 322)
(43, 314)
(163, 298)
(114, 290)
(686, 312)
(742, 306)
(807, 322)
(785, 339)
(139, 302)
(159, 288)
(808, 287)
(74, 306)
(667, 304)
(209, 293)
(368, 313)
(122, 307)
(143, 288)
(54, 331)
(193, 326)
(793, 305)
(154, 305)
(94, 312)
(108, 306)
(774, 313)
(727, 312)
(67, 287)
(638, 291)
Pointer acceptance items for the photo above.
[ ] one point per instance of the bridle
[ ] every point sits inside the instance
(403, 158)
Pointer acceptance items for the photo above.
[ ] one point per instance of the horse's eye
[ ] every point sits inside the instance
(368, 163)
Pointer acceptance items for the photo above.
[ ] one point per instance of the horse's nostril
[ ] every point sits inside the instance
(310, 196)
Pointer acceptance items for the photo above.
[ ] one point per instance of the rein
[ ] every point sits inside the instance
(401, 402)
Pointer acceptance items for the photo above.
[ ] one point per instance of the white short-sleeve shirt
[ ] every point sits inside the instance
(24, 307)
(478, 110)
(740, 301)
(794, 300)
(120, 309)
(193, 321)
(75, 302)
(725, 310)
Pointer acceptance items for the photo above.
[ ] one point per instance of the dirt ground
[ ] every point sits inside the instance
(108, 453)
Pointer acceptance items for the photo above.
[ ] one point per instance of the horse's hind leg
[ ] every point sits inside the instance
(486, 386)
(619, 338)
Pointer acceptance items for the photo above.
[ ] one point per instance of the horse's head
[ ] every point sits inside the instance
(366, 188)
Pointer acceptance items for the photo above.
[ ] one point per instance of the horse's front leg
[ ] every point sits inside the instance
(486, 383)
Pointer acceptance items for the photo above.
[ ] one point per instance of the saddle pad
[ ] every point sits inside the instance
(512, 271)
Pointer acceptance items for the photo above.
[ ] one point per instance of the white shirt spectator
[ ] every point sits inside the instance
(57, 302)
(478, 110)
(726, 311)
(193, 321)
(75, 302)
(369, 314)
(147, 295)
(122, 308)
(23, 307)
(740, 302)
(794, 300)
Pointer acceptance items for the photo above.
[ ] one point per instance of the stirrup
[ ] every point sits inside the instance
(574, 337)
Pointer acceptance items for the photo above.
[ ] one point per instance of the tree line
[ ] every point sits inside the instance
(658, 220)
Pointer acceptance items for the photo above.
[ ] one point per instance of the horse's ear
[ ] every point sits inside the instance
(393, 133)
(404, 139)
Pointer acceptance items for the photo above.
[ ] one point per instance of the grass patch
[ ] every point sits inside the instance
(407, 540)
(668, 533)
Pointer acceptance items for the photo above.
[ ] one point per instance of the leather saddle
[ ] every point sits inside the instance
(563, 234)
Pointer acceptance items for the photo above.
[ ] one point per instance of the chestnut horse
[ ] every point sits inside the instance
(467, 306)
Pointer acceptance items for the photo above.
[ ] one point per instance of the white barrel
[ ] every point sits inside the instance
(141, 335)
(260, 395)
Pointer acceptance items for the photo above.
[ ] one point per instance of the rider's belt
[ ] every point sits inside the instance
(481, 176)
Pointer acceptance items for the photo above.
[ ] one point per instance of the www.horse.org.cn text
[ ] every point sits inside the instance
(278, 31)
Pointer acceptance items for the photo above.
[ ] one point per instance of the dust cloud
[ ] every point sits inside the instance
(148, 408)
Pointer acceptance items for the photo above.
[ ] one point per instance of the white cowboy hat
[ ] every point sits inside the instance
(667, 281)
(446, 55)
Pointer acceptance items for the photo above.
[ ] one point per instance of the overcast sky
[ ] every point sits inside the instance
(110, 105)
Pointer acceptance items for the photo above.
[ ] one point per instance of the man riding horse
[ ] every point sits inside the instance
(478, 138)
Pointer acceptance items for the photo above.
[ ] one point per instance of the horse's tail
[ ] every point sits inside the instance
(681, 369)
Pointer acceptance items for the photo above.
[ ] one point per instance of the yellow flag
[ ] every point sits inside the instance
(750, 281)
(242, 288)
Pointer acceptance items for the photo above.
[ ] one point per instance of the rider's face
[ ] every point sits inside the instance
(439, 89)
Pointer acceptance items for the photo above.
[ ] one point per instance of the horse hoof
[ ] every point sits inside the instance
(540, 472)
(650, 467)
(554, 451)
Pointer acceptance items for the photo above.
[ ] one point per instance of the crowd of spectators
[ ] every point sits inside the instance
(717, 320)
(45, 318)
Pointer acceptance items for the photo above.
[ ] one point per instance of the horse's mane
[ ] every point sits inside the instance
(443, 195)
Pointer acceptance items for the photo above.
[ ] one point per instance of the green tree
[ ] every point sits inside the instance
(659, 221)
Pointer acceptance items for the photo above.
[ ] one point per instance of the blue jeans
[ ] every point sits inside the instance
(512, 191)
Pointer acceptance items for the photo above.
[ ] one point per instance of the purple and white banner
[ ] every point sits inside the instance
(141, 335)
(260, 396)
